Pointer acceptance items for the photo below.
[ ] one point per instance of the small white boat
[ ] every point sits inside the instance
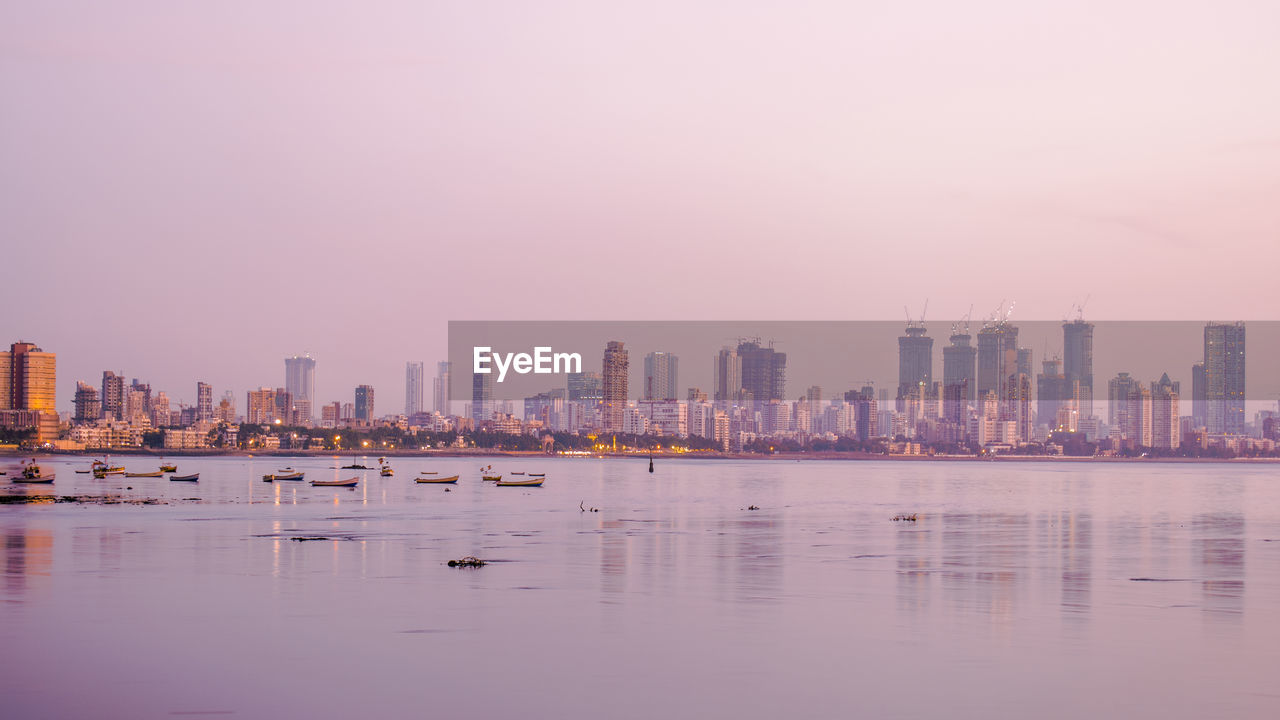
(534, 482)
(193, 477)
(284, 476)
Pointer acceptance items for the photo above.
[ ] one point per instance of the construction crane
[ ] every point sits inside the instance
(955, 327)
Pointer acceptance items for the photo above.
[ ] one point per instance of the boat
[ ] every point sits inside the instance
(517, 473)
(450, 479)
(354, 466)
(387, 471)
(105, 469)
(185, 478)
(78, 472)
(31, 473)
(535, 482)
(428, 472)
(349, 482)
(491, 478)
(282, 476)
(287, 470)
(169, 468)
(537, 474)
(157, 473)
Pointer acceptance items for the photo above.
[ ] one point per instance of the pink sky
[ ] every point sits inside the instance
(195, 190)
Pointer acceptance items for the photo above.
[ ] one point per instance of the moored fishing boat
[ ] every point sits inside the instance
(491, 478)
(170, 468)
(349, 482)
(157, 473)
(449, 479)
(193, 477)
(536, 482)
(31, 473)
(271, 477)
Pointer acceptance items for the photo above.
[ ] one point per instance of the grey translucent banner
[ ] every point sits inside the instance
(838, 356)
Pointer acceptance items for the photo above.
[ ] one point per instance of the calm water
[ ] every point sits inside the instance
(1023, 590)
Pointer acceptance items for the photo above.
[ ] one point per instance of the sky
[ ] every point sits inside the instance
(193, 191)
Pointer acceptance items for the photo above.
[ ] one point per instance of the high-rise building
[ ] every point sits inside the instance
(764, 372)
(1224, 377)
(204, 402)
(364, 404)
(726, 376)
(915, 359)
(481, 397)
(28, 385)
(997, 362)
(614, 370)
(959, 376)
(1166, 428)
(661, 376)
(413, 376)
(1137, 419)
(1053, 391)
(1118, 390)
(586, 388)
(1025, 362)
(260, 406)
(440, 393)
(300, 383)
(1198, 397)
(88, 403)
(112, 396)
(1077, 360)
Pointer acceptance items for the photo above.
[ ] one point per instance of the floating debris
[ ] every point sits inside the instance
(587, 509)
(753, 507)
(468, 561)
(905, 518)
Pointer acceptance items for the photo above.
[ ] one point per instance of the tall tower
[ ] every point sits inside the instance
(915, 359)
(481, 397)
(300, 382)
(112, 395)
(204, 402)
(661, 376)
(1077, 360)
(1224, 377)
(364, 403)
(726, 376)
(764, 372)
(28, 382)
(959, 374)
(614, 387)
(440, 395)
(413, 374)
(1198, 414)
(997, 361)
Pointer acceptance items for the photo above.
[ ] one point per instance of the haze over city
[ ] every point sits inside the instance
(197, 191)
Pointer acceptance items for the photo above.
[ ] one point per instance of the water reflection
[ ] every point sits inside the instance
(1219, 546)
(28, 553)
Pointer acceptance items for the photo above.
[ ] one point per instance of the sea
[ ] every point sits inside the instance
(705, 589)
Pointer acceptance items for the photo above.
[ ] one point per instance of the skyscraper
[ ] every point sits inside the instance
(440, 393)
(915, 359)
(88, 403)
(1118, 390)
(1077, 360)
(204, 402)
(1198, 414)
(959, 376)
(300, 383)
(364, 404)
(661, 376)
(614, 370)
(726, 376)
(1053, 391)
(112, 396)
(764, 372)
(28, 385)
(481, 397)
(413, 374)
(997, 362)
(1224, 376)
(1166, 428)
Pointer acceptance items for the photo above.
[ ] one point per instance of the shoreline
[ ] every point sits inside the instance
(775, 457)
